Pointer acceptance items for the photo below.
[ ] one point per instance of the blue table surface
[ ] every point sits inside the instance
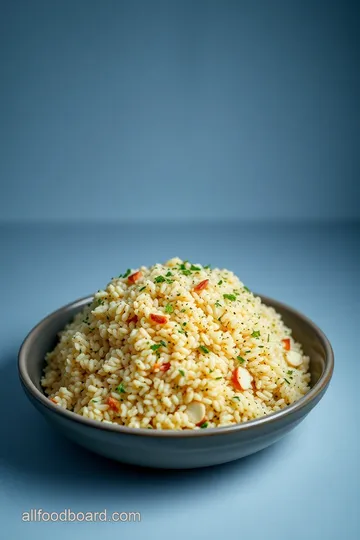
(305, 486)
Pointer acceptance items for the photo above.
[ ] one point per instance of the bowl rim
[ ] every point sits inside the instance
(316, 391)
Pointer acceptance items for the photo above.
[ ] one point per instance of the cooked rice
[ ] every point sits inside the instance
(114, 363)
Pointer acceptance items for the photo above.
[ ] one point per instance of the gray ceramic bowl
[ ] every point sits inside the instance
(174, 449)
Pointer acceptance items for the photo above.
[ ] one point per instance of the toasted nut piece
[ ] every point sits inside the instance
(202, 285)
(294, 358)
(134, 277)
(196, 412)
(165, 367)
(159, 319)
(242, 378)
(114, 404)
(286, 343)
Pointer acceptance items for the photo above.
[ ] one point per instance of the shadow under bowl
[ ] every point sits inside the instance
(174, 449)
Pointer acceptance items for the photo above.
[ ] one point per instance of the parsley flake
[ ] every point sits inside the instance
(204, 349)
(127, 273)
(204, 425)
(240, 359)
(255, 334)
(120, 389)
(231, 297)
(169, 308)
(182, 372)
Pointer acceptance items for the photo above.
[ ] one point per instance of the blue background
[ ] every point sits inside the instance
(221, 132)
(174, 109)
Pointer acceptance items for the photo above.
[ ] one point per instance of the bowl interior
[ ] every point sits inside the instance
(44, 338)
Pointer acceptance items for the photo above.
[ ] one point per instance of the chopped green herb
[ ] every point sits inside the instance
(205, 350)
(290, 372)
(183, 332)
(204, 425)
(231, 297)
(120, 389)
(220, 282)
(127, 273)
(286, 381)
(169, 308)
(268, 339)
(217, 303)
(247, 352)
(195, 268)
(256, 333)
(94, 400)
(246, 289)
(142, 288)
(155, 347)
(183, 310)
(241, 360)
(182, 372)
(207, 267)
(163, 343)
(159, 279)
(186, 272)
(218, 378)
(236, 397)
(168, 274)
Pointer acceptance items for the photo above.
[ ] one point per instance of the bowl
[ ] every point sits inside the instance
(172, 449)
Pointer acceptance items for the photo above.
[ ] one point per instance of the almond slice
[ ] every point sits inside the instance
(202, 285)
(134, 277)
(196, 412)
(114, 404)
(293, 358)
(158, 319)
(242, 378)
(286, 343)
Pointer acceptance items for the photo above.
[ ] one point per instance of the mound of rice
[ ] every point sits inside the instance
(176, 346)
